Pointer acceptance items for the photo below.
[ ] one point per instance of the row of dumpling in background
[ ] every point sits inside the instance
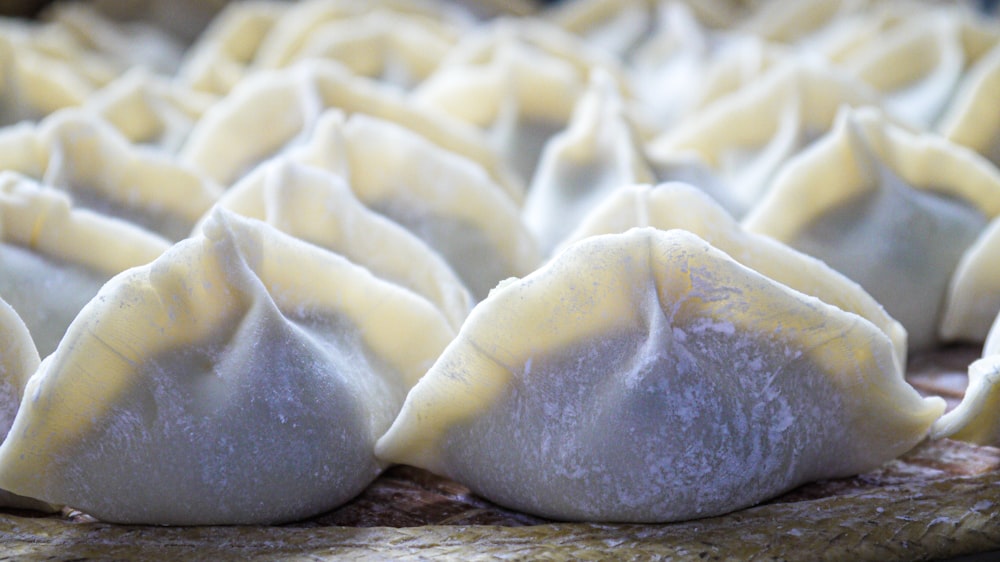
(465, 213)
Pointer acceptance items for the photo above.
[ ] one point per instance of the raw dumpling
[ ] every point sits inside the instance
(82, 155)
(445, 200)
(972, 119)
(373, 39)
(54, 257)
(597, 153)
(516, 80)
(681, 206)
(278, 109)
(317, 206)
(735, 146)
(977, 417)
(222, 384)
(892, 210)
(148, 109)
(648, 377)
(973, 299)
(18, 361)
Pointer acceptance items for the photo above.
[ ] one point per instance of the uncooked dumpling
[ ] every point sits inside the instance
(82, 155)
(976, 419)
(892, 210)
(734, 147)
(54, 257)
(318, 206)
(597, 153)
(18, 361)
(677, 205)
(445, 200)
(648, 377)
(276, 110)
(972, 119)
(973, 299)
(222, 384)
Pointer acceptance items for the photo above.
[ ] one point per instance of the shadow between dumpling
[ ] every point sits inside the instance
(240, 378)
(648, 377)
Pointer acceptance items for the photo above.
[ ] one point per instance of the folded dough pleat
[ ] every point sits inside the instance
(976, 419)
(240, 378)
(973, 299)
(892, 210)
(680, 206)
(648, 377)
(445, 200)
(278, 109)
(597, 153)
(318, 206)
(54, 257)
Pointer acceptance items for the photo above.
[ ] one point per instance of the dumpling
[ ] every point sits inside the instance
(148, 109)
(79, 153)
(973, 298)
(597, 153)
(920, 64)
(445, 200)
(517, 80)
(680, 206)
(278, 109)
(318, 206)
(734, 147)
(222, 384)
(399, 44)
(976, 419)
(971, 119)
(648, 377)
(18, 361)
(54, 257)
(892, 210)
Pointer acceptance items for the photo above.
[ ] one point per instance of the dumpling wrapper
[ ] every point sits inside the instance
(892, 210)
(597, 153)
(648, 377)
(973, 299)
(79, 153)
(444, 199)
(318, 206)
(278, 109)
(55, 257)
(734, 147)
(222, 384)
(681, 206)
(18, 361)
(972, 119)
(976, 419)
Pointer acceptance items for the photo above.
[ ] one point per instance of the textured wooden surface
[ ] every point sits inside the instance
(940, 500)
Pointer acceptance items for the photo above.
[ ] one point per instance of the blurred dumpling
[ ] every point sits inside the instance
(518, 80)
(648, 377)
(445, 200)
(976, 419)
(973, 298)
(597, 153)
(54, 257)
(318, 206)
(892, 210)
(972, 119)
(221, 384)
(18, 361)
(278, 109)
(735, 146)
(681, 206)
(79, 153)
(148, 109)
